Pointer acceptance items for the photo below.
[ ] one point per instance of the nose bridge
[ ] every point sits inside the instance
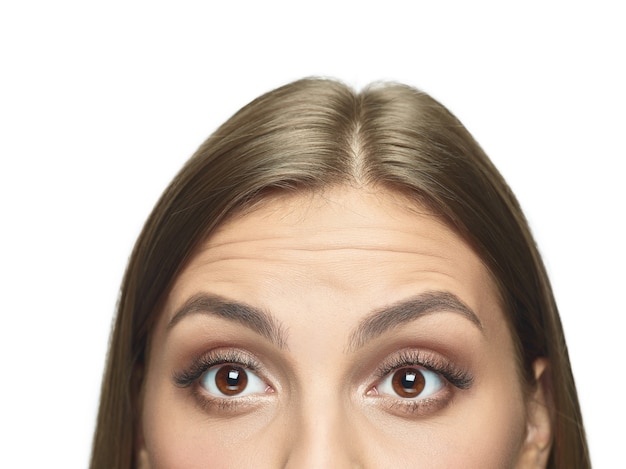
(323, 435)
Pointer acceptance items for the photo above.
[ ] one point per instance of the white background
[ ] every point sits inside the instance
(102, 102)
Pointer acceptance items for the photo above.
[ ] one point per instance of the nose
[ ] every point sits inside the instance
(324, 436)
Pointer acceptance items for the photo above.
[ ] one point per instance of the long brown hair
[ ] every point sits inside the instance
(306, 136)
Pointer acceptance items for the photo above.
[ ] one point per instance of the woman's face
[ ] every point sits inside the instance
(335, 330)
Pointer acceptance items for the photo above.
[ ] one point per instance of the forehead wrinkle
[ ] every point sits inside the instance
(331, 240)
(290, 255)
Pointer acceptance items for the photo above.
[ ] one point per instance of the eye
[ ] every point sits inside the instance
(411, 382)
(231, 380)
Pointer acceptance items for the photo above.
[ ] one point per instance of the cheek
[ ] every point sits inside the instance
(166, 434)
(483, 432)
(174, 441)
(177, 434)
(493, 431)
(494, 426)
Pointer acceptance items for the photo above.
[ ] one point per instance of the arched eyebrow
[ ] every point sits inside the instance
(390, 317)
(259, 321)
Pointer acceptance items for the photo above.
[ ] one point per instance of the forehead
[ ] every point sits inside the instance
(364, 246)
(366, 219)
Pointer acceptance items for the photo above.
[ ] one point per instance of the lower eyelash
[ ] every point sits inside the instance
(411, 407)
(215, 403)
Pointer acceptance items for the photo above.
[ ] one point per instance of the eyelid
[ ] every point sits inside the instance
(430, 388)
(202, 363)
(190, 377)
(455, 379)
(456, 375)
(253, 383)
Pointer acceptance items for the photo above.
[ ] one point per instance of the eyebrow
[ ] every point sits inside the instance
(390, 317)
(253, 318)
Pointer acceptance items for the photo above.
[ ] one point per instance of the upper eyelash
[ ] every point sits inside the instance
(456, 376)
(201, 364)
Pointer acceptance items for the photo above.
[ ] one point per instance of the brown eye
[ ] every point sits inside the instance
(232, 380)
(411, 383)
(408, 382)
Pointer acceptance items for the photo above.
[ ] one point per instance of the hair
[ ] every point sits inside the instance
(307, 136)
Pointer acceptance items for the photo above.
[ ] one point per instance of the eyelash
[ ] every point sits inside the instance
(200, 365)
(408, 358)
(453, 375)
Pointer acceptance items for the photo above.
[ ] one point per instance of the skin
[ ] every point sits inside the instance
(319, 265)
